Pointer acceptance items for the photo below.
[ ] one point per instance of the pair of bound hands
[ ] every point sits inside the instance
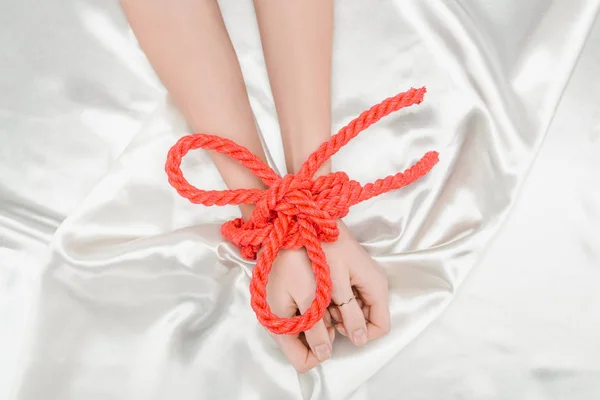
(355, 274)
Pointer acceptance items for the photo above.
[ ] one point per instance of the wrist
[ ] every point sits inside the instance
(300, 145)
(236, 176)
(294, 167)
(246, 210)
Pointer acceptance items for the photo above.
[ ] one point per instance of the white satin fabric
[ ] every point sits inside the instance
(113, 287)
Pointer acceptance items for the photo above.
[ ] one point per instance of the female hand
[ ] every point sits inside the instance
(359, 294)
(291, 289)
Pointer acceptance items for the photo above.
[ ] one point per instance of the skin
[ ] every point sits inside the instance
(188, 46)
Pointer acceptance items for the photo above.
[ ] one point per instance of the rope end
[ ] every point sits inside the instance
(419, 94)
(432, 156)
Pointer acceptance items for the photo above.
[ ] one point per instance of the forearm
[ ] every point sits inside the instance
(297, 42)
(187, 44)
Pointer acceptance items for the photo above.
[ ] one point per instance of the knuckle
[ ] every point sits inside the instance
(301, 368)
(385, 328)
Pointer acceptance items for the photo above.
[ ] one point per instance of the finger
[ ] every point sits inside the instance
(327, 319)
(352, 315)
(379, 320)
(292, 346)
(365, 308)
(330, 332)
(335, 313)
(301, 358)
(337, 317)
(375, 297)
(367, 313)
(341, 329)
(317, 337)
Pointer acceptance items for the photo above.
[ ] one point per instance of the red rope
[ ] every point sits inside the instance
(296, 210)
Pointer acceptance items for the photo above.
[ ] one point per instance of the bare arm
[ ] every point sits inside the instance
(297, 41)
(296, 38)
(189, 48)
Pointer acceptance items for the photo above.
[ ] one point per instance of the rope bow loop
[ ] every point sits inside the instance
(295, 210)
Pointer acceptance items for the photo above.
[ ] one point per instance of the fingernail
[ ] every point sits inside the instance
(359, 337)
(342, 330)
(323, 352)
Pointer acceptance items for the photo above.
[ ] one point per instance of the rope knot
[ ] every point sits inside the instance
(296, 210)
